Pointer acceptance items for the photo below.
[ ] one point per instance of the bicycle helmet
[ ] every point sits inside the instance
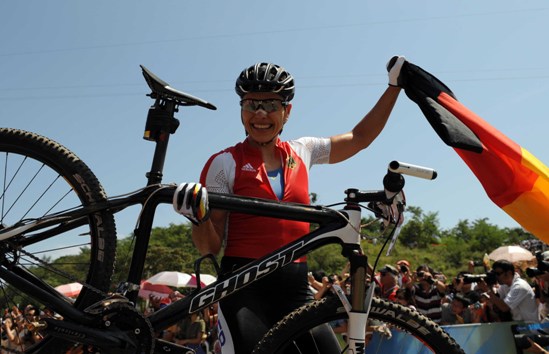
(266, 77)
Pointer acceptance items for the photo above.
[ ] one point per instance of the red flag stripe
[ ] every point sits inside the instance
(499, 167)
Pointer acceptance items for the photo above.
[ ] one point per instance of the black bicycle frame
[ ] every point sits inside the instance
(329, 220)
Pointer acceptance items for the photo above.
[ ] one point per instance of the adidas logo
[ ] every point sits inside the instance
(248, 168)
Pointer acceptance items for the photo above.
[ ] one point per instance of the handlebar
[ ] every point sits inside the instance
(393, 183)
(412, 170)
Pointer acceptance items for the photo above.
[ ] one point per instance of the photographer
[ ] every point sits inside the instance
(405, 273)
(327, 282)
(541, 284)
(514, 296)
(428, 292)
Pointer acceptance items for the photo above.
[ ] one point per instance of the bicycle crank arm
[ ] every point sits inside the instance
(114, 340)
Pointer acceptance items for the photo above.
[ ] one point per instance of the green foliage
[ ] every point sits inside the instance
(170, 249)
(421, 230)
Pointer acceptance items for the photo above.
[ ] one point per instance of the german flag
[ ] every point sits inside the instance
(513, 178)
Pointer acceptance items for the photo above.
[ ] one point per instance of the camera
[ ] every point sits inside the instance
(420, 274)
(403, 268)
(543, 267)
(490, 278)
(532, 272)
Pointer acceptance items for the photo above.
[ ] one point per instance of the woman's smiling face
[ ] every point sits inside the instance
(261, 125)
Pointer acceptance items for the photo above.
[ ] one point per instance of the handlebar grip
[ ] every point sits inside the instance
(412, 170)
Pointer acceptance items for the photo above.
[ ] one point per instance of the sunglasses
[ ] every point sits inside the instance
(268, 106)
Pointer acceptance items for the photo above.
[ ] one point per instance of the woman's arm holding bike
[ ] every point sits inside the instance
(208, 237)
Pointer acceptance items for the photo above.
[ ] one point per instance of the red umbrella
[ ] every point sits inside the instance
(69, 290)
(157, 290)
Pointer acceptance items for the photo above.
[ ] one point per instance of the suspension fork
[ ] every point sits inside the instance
(358, 306)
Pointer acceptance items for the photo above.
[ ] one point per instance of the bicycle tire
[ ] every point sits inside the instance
(39, 177)
(428, 334)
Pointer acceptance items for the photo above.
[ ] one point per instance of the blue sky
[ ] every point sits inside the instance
(70, 70)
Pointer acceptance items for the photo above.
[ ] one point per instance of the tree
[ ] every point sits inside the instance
(170, 249)
(422, 230)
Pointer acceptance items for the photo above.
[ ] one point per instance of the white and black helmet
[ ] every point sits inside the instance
(266, 77)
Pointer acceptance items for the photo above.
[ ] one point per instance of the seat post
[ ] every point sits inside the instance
(160, 124)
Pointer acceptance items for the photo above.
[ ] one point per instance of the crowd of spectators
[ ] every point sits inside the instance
(17, 326)
(501, 292)
(198, 331)
(497, 293)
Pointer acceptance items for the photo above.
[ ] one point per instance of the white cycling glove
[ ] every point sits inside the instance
(191, 201)
(393, 67)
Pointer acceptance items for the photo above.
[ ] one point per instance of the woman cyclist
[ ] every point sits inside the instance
(264, 166)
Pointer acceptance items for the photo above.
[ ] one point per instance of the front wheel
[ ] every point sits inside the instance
(410, 332)
(38, 178)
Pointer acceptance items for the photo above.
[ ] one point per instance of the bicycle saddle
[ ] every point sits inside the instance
(161, 89)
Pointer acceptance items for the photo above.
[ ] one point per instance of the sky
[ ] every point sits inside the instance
(70, 71)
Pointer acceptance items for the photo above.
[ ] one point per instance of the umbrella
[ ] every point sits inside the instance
(157, 290)
(205, 279)
(171, 278)
(512, 254)
(70, 289)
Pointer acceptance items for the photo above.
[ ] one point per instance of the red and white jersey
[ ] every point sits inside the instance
(240, 170)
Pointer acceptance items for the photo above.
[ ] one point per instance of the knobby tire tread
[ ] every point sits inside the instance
(330, 308)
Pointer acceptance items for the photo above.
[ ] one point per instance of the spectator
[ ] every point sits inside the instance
(457, 311)
(315, 280)
(210, 318)
(192, 333)
(388, 278)
(514, 296)
(10, 340)
(327, 283)
(175, 295)
(405, 272)
(428, 292)
(405, 297)
(541, 286)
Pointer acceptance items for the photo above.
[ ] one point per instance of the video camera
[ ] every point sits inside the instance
(489, 277)
(543, 267)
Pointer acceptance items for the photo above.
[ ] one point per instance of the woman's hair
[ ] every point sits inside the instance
(406, 294)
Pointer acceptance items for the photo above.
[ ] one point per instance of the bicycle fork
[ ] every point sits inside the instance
(358, 307)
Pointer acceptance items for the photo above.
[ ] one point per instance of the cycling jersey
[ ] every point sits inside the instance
(240, 170)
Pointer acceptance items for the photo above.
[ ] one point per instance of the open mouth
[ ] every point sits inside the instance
(262, 126)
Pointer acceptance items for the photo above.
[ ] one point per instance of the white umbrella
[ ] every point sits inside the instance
(205, 279)
(512, 254)
(171, 278)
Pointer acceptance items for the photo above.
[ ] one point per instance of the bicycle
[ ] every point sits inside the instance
(108, 322)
